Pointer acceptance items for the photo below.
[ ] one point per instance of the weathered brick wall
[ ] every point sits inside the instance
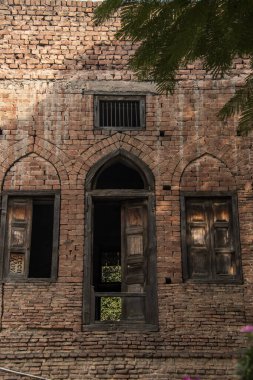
(30, 173)
(206, 173)
(53, 60)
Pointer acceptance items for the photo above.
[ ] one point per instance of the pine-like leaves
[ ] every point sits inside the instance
(241, 102)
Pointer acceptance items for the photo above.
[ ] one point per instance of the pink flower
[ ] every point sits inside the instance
(247, 329)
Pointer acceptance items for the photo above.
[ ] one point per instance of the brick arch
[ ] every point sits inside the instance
(123, 157)
(31, 172)
(105, 147)
(43, 148)
(214, 147)
(207, 173)
(55, 156)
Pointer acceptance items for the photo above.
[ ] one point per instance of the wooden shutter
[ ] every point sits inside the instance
(198, 239)
(223, 241)
(134, 260)
(18, 237)
(211, 252)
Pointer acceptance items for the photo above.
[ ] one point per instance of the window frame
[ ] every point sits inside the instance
(125, 195)
(115, 96)
(54, 195)
(237, 278)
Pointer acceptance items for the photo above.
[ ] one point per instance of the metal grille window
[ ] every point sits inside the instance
(119, 112)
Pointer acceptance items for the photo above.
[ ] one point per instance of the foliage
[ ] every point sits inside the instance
(245, 363)
(172, 33)
(110, 309)
(111, 273)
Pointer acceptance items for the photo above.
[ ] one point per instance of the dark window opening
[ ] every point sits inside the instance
(119, 112)
(119, 261)
(107, 258)
(107, 246)
(211, 251)
(41, 241)
(119, 176)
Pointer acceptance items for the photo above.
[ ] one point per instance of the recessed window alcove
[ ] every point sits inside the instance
(120, 274)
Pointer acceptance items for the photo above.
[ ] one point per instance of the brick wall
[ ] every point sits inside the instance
(31, 173)
(53, 60)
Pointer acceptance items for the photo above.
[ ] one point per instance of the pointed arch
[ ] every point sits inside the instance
(126, 159)
(207, 173)
(36, 169)
(120, 237)
(43, 148)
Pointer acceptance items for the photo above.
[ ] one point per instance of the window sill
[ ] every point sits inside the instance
(215, 282)
(119, 326)
(28, 280)
(119, 129)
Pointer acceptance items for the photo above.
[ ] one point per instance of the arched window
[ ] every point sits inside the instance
(120, 278)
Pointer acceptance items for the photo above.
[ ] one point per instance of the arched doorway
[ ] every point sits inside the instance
(120, 275)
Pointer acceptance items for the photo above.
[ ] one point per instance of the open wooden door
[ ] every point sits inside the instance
(18, 237)
(134, 259)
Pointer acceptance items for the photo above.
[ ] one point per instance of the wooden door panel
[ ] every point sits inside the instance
(222, 238)
(200, 263)
(19, 236)
(210, 239)
(225, 264)
(17, 263)
(198, 236)
(195, 212)
(134, 255)
(221, 211)
(134, 216)
(135, 244)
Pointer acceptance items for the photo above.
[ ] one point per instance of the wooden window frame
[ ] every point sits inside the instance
(237, 278)
(124, 195)
(142, 104)
(31, 195)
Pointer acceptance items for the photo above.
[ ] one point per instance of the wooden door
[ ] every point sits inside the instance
(210, 238)
(18, 237)
(134, 258)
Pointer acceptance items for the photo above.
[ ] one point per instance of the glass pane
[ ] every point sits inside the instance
(110, 308)
(17, 263)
